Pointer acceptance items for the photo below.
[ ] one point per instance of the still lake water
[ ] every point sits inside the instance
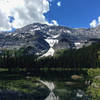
(64, 85)
(54, 85)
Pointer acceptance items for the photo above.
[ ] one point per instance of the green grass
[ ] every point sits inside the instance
(94, 72)
(94, 88)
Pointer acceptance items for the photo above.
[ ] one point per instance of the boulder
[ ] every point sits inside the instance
(76, 77)
(97, 77)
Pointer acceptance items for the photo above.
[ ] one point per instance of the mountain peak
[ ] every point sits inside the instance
(42, 36)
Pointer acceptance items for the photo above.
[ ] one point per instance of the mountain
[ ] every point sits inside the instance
(47, 39)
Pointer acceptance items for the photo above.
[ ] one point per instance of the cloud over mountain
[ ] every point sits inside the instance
(24, 12)
(95, 22)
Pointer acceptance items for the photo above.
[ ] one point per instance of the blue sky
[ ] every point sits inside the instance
(74, 13)
(71, 13)
(11, 19)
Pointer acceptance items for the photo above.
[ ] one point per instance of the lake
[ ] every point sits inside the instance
(46, 85)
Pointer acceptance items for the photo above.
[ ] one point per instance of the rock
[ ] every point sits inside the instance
(87, 82)
(72, 83)
(81, 94)
(95, 85)
(28, 77)
(97, 77)
(76, 77)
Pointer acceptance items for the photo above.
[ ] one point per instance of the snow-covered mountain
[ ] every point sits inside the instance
(48, 39)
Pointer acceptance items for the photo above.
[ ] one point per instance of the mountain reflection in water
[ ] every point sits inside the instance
(56, 82)
(51, 87)
(52, 96)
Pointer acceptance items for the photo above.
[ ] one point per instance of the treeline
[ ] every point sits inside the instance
(18, 59)
(86, 57)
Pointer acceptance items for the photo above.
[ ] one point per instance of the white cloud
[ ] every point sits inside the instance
(95, 23)
(54, 22)
(24, 12)
(99, 20)
(59, 3)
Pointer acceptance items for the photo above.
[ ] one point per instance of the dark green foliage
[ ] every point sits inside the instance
(15, 59)
(86, 57)
(25, 59)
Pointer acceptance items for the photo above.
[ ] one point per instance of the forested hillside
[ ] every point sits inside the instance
(86, 57)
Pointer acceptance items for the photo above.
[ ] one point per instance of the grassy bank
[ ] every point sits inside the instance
(94, 89)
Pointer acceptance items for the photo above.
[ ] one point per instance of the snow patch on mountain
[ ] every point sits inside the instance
(36, 29)
(50, 52)
(51, 43)
(68, 31)
(15, 34)
(8, 34)
(55, 36)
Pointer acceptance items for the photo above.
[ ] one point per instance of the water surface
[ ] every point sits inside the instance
(47, 85)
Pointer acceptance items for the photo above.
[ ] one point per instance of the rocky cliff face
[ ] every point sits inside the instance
(47, 39)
